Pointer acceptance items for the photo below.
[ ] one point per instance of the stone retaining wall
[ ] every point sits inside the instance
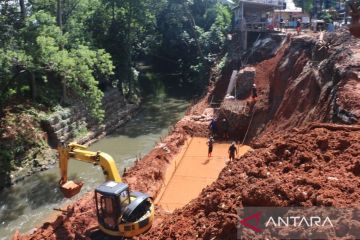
(74, 123)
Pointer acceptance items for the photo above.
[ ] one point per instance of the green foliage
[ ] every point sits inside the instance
(81, 132)
(19, 133)
(127, 30)
(99, 42)
(306, 5)
(10, 60)
(326, 16)
(193, 34)
(220, 66)
(43, 50)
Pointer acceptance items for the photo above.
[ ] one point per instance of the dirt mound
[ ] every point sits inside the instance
(308, 80)
(75, 222)
(238, 112)
(312, 83)
(306, 167)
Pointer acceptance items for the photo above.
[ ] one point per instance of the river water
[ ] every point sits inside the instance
(29, 203)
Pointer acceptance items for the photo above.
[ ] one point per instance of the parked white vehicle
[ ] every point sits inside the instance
(317, 25)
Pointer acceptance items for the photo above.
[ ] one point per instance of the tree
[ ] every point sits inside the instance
(122, 28)
(42, 51)
(306, 5)
(22, 9)
(193, 33)
(51, 45)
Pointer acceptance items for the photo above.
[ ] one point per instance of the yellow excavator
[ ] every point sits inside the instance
(119, 212)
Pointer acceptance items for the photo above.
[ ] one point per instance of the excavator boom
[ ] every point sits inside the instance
(80, 153)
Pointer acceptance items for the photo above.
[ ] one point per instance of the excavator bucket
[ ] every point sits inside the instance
(70, 188)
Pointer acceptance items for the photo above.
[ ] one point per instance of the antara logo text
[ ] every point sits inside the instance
(290, 221)
(297, 221)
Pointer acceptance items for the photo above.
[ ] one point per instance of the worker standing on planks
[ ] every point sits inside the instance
(212, 127)
(298, 26)
(232, 151)
(210, 143)
(254, 91)
(225, 128)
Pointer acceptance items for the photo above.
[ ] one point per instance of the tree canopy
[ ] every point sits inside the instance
(52, 51)
(306, 5)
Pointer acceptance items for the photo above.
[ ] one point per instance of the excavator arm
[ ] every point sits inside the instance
(80, 153)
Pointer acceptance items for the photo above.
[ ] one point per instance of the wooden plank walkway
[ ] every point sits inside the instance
(194, 171)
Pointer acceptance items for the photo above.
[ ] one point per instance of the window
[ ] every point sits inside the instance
(107, 211)
(124, 198)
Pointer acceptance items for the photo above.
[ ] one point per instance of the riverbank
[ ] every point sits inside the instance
(125, 145)
(31, 134)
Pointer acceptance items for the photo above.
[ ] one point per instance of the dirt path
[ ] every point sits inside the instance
(193, 172)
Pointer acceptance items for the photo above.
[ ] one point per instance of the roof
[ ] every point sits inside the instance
(317, 21)
(290, 7)
(289, 10)
(229, 2)
(265, 3)
(111, 188)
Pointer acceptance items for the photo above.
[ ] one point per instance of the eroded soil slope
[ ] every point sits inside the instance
(297, 161)
(306, 167)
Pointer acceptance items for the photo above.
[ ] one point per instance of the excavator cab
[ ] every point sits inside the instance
(120, 211)
(110, 199)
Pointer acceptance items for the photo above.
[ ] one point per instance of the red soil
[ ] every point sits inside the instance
(316, 165)
(307, 167)
(349, 97)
